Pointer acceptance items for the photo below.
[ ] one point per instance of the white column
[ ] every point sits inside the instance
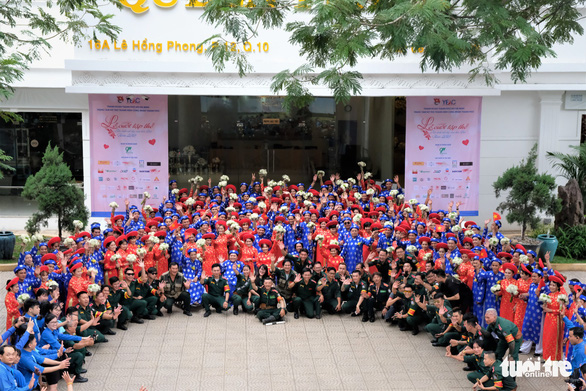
(87, 172)
(550, 103)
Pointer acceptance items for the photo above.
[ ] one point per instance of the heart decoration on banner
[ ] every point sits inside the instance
(106, 146)
(152, 141)
(465, 142)
(421, 147)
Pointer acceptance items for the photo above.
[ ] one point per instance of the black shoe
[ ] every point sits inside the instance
(187, 312)
(159, 313)
(296, 315)
(109, 332)
(219, 310)
(415, 330)
(318, 317)
(436, 344)
(372, 319)
(270, 319)
(235, 311)
(122, 326)
(365, 318)
(468, 368)
(433, 340)
(170, 310)
(207, 313)
(105, 340)
(536, 354)
(354, 314)
(88, 353)
(402, 328)
(149, 317)
(82, 370)
(136, 320)
(80, 379)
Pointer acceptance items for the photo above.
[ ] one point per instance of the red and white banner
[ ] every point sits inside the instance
(443, 151)
(129, 150)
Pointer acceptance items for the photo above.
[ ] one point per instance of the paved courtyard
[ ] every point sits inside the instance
(227, 352)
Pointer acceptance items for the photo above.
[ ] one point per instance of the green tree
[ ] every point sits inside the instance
(3, 166)
(334, 35)
(57, 194)
(572, 165)
(528, 193)
(27, 28)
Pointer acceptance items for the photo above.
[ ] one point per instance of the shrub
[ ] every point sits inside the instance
(572, 241)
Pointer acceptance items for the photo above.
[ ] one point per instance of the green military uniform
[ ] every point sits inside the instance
(377, 298)
(77, 356)
(105, 324)
(415, 314)
(410, 279)
(352, 294)
(477, 363)
(306, 295)
(136, 306)
(453, 333)
(496, 378)
(268, 304)
(149, 294)
(436, 326)
(383, 267)
(216, 293)
(365, 277)
(115, 298)
(317, 276)
(298, 264)
(331, 292)
(283, 281)
(505, 332)
(86, 314)
(240, 295)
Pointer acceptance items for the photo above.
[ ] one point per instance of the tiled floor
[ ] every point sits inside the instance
(237, 353)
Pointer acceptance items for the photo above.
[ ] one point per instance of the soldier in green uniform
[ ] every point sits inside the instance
(475, 361)
(79, 349)
(342, 274)
(131, 297)
(494, 380)
(331, 295)
(408, 275)
(378, 295)
(241, 295)
(271, 303)
(153, 284)
(147, 290)
(382, 264)
(104, 311)
(115, 296)
(475, 332)
(218, 291)
(441, 319)
(454, 332)
(86, 315)
(285, 280)
(302, 261)
(317, 273)
(364, 275)
(306, 294)
(506, 332)
(412, 313)
(354, 292)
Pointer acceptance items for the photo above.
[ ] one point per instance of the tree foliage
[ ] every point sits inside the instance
(27, 28)
(334, 35)
(3, 166)
(528, 193)
(57, 194)
(572, 165)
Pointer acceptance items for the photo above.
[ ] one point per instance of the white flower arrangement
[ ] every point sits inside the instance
(281, 183)
(495, 288)
(310, 225)
(357, 195)
(113, 205)
(271, 183)
(544, 298)
(196, 179)
(189, 150)
(230, 209)
(408, 210)
(233, 196)
(254, 216)
(175, 191)
(493, 241)
(370, 192)
(163, 246)
(423, 208)
(357, 217)
(37, 238)
(222, 184)
(456, 276)
(413, 201)
(388, 224)
(78, 224)
(563, 299)
(93, 288)
(505, 241)
(268, 190)
(319, 238)
(148, 208)
(390, 249)
(141, 252)
(68, 242)
(252, 199)
(468, 233)
(154, 239)
(320, 173)
(224, 178)
(339, 182)
(279, 229)
(235, 227)
(307, 203)
(400, 196)
(22, 298)
(201, 243)
(284, 208)
(231, 222)
(456, 229)
(367, 175)
(52, 284)
(352, 181)
(452, 215)
(524, 259)
(344, 186)
(286, 178)
(427, 256)
(190, 201)
(334, 242)
(456, 261)
(202, 162)
(361, 164)
(93, 270)
(513, 289)
(131, 257)
(262, 172)
(411, 249)
(94, 243)
(25, 239)
(146, 195)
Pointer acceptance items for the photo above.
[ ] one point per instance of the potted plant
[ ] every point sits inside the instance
(527, 194)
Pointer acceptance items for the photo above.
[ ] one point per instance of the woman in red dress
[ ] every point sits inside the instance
(12, 305)
(553, 325)
(111, 267)
(78, 283)
(422, 257)
(508, 301)
(208, 253)
(331, 256)
(222, 241)
(123, 252)
(524, 283)
(248, 252)
(264, 257)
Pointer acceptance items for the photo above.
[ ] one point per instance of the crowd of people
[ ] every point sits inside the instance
(268, 249)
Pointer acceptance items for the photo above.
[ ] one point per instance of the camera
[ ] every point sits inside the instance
(574, 383)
